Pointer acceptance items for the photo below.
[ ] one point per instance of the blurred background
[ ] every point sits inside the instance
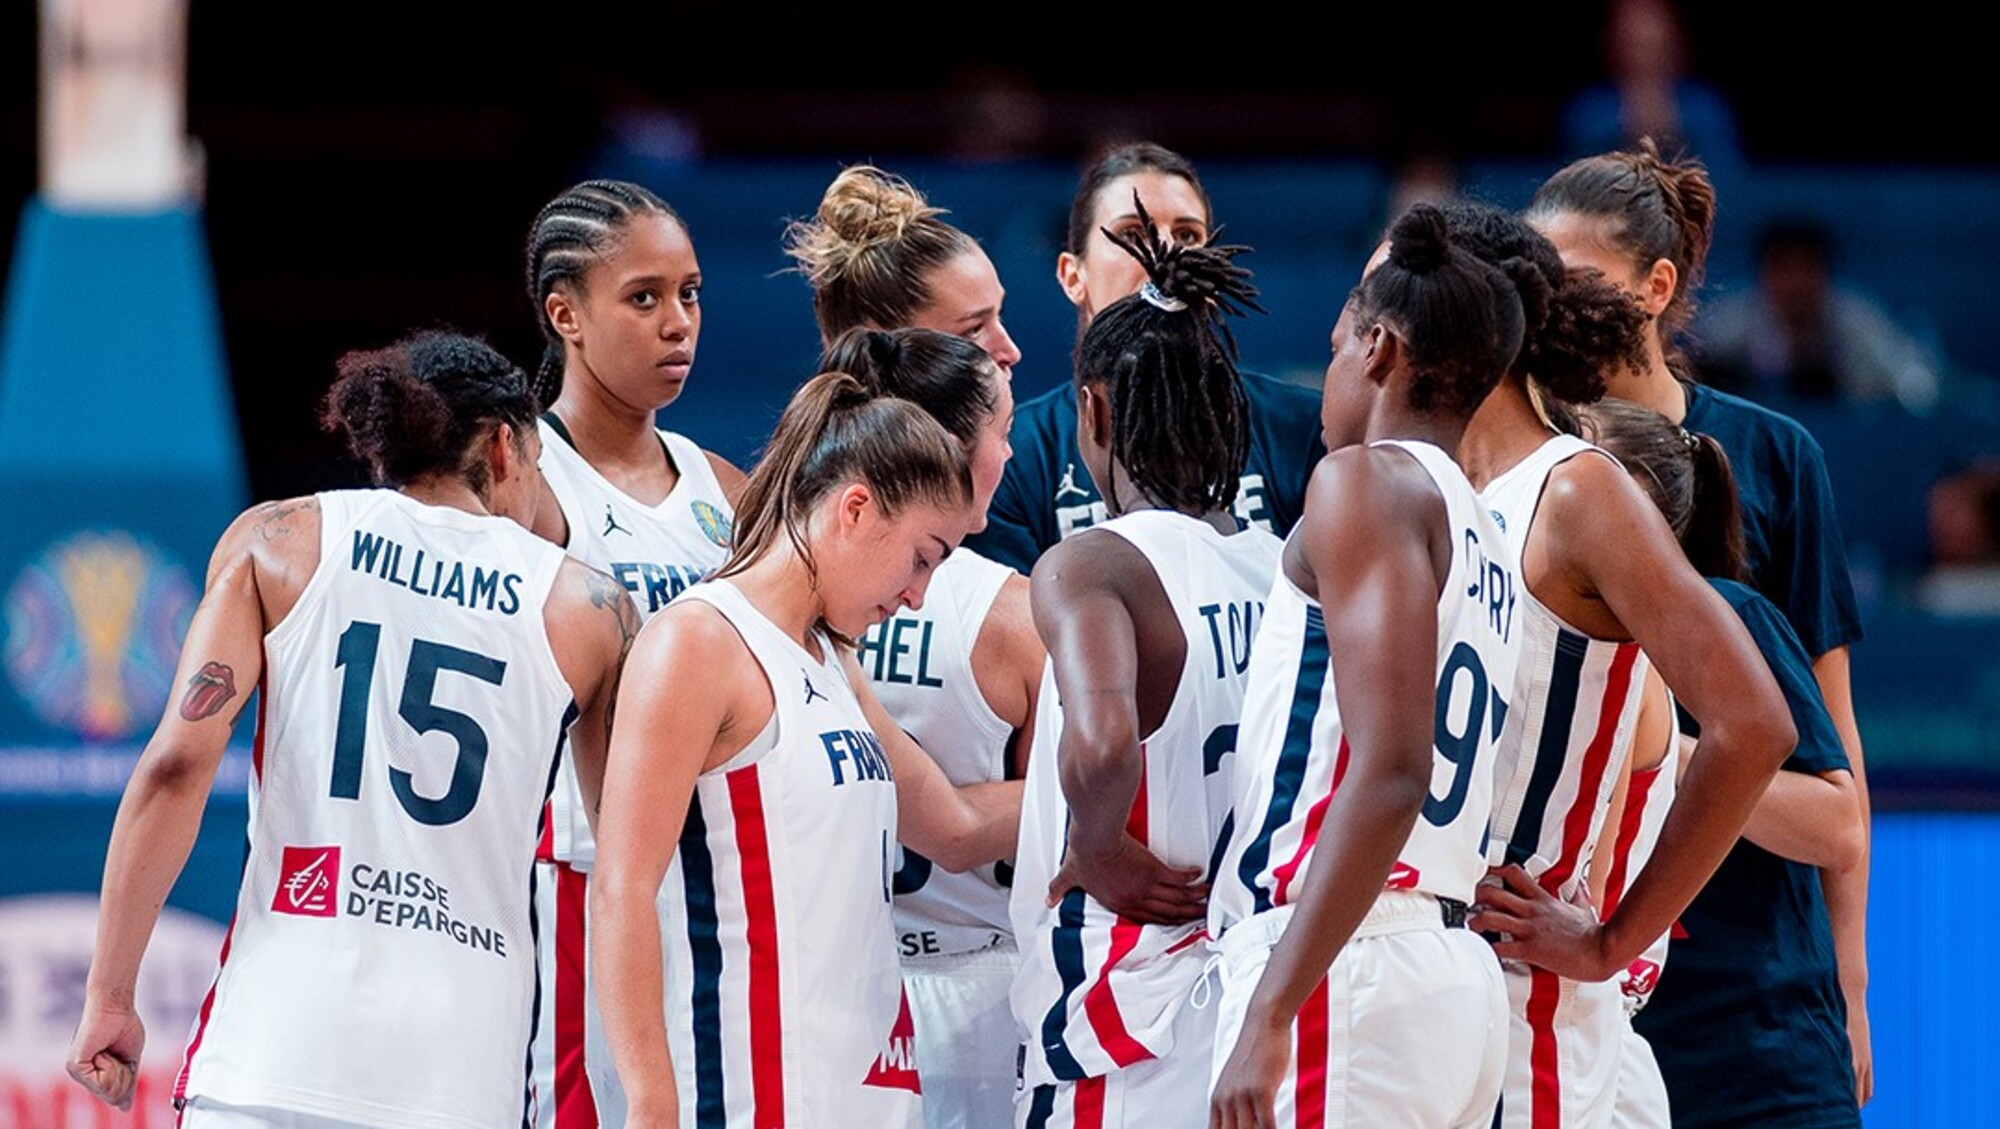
(203, 208)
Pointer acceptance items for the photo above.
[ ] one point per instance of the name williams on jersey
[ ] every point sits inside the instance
(467, 585)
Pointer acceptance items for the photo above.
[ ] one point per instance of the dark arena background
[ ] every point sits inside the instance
(344, 173)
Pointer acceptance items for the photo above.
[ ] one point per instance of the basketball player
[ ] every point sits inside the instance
(1148, 619)
(1352, 994)
(1045, 495)
(616, 288)
(1646, 223)
(418, 661)
(752, 756)
(960, 674)
(1753, 975)
(1605, 589)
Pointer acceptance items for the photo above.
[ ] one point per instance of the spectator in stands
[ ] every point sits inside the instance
(1965, 544)
(1650, 94)
(1801, 336)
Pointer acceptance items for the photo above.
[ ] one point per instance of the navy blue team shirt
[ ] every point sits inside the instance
(1046, 494)
(1748, 1022)
(1790, 531)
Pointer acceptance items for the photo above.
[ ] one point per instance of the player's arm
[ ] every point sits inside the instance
(221, 660)
(1847, 891)
(1812, 813)
(1083, 612)
(956, 826)
(1378, 587)
(1617, 544)
(691, 676)
(1810, 817)
(1007, 659)
(592, 623)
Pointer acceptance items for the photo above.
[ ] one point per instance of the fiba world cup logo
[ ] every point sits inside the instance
(94, 625)
(715, 525)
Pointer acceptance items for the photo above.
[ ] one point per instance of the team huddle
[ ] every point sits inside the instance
(1179, 748)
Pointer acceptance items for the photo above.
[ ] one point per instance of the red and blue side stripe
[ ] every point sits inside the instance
(1293, 758)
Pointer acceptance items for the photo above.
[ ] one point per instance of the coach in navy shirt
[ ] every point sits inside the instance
(1045, 494)
(1748, 1022)
(1791, 534)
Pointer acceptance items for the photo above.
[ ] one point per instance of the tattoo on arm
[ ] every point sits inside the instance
(208, 691)
(274, 524)
(611, 596)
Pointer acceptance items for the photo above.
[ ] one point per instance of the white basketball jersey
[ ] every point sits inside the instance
(381, 965)
(920, 664)
(1647, 800)
(656, 552)
(1293, 752)
(1576, 700)
(784, 997)
(1098, 992)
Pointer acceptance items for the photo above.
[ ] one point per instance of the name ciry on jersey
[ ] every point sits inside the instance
(1491, 587)
(656, 584)
(467, 585)
(309, 886)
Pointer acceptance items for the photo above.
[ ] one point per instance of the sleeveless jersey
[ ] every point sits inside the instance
(1293, 752)
(784, 999)
(409, 720)
(1575, 699)
(1647, 800)
(1098, 992)
(656, 552)
(920, 663)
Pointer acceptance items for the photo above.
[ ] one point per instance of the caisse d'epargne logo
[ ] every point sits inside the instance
(308, 882)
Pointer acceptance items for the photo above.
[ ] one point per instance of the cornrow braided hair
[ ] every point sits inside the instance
(570, 233)
(1167, 360)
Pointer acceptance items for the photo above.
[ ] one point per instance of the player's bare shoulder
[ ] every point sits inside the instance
(274, 546)
(1383, 486)
(592, 623)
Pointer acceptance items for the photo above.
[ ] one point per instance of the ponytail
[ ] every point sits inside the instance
(1167, 361)
(1714, 536)
(945, 375)
(1688, 477)
(835, 432)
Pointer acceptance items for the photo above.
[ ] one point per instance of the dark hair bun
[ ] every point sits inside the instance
(1534, 288)
(1419, 242)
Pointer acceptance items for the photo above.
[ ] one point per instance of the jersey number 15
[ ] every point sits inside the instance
(359, 645)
